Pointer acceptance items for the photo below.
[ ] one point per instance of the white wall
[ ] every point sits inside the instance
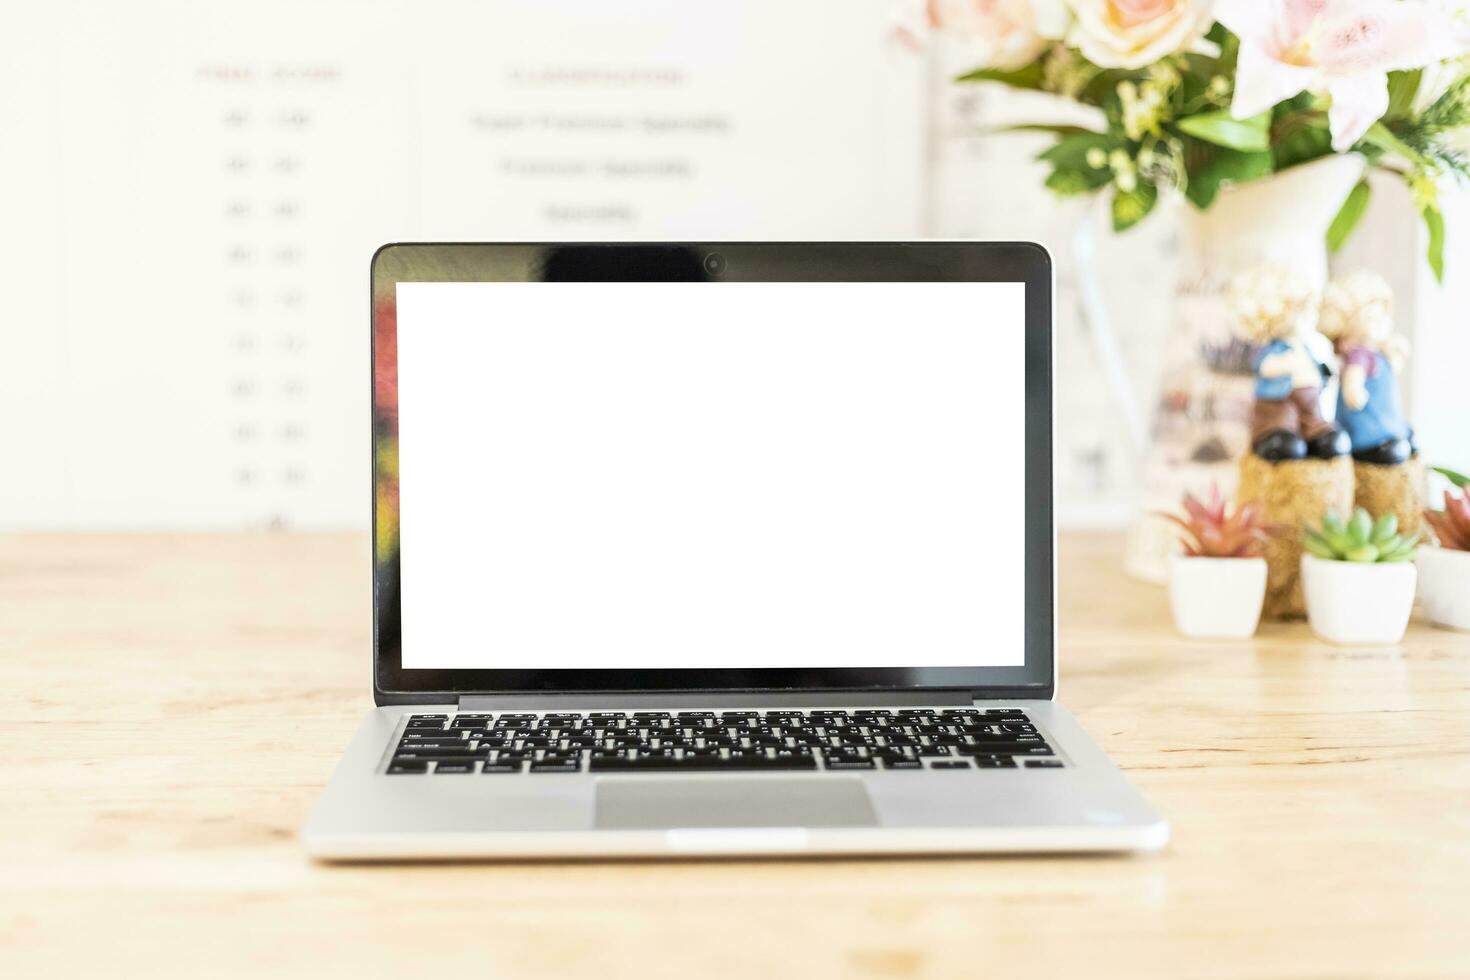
(190, 193)
(188, 229)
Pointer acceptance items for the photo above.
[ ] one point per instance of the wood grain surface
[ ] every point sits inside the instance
(173, 704)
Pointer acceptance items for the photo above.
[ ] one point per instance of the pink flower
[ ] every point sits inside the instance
(1137, 33)
(1001, 34)
(1342, 48)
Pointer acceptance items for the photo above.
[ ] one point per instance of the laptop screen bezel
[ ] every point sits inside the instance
(743, 261)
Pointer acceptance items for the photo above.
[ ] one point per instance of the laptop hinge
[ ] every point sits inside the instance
(752, 699)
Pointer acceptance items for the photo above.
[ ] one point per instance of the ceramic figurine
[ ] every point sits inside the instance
(1357, 315)
(1277, 311)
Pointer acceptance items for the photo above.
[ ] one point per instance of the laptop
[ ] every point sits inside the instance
(711, 549)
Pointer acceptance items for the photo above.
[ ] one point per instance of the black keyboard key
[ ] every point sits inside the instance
(831, 719)
(995, 763)
(996, 746)
(402, 768)
(1006, 712)
(658, 762)
(500, 767)
(447, 766)
(1044, 764)
(556, 765)
(428, 717)
(432, 741)
(900, 762)
(949, 764)
(463, 751)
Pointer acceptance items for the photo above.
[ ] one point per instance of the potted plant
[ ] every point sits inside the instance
(1444, 571)
(1358, 578)
(1217, 584)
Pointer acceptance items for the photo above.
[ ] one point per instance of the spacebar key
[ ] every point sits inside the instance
(701, 763)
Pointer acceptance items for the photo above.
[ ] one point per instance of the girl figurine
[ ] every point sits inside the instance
(1357, 315)
(1277, 311)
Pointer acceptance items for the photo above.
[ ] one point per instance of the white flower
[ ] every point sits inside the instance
(1001, 34)
(1341, 48)
(1135, 33)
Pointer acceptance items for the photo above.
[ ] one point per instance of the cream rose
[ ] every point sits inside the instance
(1002, 34)
(1135, 33)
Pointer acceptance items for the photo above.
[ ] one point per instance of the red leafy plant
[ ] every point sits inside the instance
(1212, 529)
(1452, 525)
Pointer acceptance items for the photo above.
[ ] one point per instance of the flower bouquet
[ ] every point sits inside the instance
(1195, 95)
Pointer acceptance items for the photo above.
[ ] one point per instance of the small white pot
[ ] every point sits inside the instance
(1358, 602)
(1216, 598)
(1444, 586)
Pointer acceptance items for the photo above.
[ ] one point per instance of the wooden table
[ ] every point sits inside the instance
(173, 704)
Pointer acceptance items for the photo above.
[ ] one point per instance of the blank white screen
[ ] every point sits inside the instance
(665, 475)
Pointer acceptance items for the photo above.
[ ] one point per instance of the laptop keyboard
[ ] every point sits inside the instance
(723, 741)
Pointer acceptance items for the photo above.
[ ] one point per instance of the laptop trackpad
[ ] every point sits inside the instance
(631, 803)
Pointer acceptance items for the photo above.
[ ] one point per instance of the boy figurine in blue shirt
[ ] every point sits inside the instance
(1278, 311)
(1357, 315)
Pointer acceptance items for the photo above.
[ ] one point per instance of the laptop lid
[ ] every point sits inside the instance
(719, 467)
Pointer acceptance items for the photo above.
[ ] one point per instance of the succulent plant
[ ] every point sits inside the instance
(1360, 539)
(1212, 530)
(1452, 525)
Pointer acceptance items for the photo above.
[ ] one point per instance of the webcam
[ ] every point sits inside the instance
(714, 263)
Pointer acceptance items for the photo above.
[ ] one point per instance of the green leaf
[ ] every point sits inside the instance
(1103, 86)
(1400, 549)
(1067, 182)
(1402, 87)
(1223, 129)
(1027, 77)
(1434, 223)
(1071, 151)
(1210, 167)
(1457, 478)
(1383, 138)
(1317, 546)
(1348, 215)
(1071, 173)
(1387, 527)
(1299, 134)
(1363, 553)
(1057, 129)
(1131, 207)
(1360, 527)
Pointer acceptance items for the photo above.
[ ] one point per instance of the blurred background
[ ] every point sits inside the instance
(191, 192)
